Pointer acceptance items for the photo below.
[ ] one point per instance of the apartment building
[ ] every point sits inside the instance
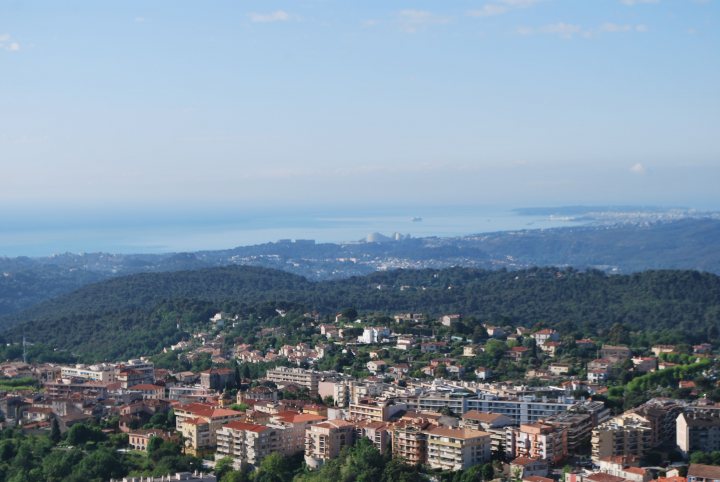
(492, 423)
(457, 448)
(374, 410)
(148, 391)
(144, 371)
(199, 423)
(216, 378)
(546, 334)
(661, 414)
(295, 426)
(538, 441)
(377, 432)
(298, 376)
(578, 423)
(621, 437)
(409, 441)
(248, 442)
(698, 431)
(104, 372)
(323, 441)
(524, 409)
(339, 390)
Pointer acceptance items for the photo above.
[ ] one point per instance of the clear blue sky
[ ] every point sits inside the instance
(143, 104)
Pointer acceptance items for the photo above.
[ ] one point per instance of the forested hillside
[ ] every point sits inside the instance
(140, 314)
(624, 248)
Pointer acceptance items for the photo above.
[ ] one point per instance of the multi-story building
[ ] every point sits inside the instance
(374, 410)
(298, 376)
(621, 437)
(492, 423)
(189, 394)
(434, 401)
(323, 441)
(545, 335)
(294, 426)
(409, 442)
(520, 409)
(536, 440)
(457, 448)
(698, 431)
(579, 422)
(216, 378)
(373, 335)
(377, 432)
(524, 409)
(338, 389)
(249, 443)
(98, 373)
(199, 423)
(127, 377)
(661, 414)
(144, 371)
(404, 342)
(148, 391)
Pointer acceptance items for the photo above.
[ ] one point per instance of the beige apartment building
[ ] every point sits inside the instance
(374, 410)
(98, 373)
(298, 376)
(492, 423)
(248, 442)
(409, 442)
(698, 431)
(537, 440)
(457, 448)
(621, 436)
(323, 441)
(199, 423)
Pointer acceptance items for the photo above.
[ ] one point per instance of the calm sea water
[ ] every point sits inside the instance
(127, 233)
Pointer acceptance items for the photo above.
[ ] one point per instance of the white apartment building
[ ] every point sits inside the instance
(457, 448)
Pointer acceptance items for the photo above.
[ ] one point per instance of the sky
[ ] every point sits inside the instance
(177, 105)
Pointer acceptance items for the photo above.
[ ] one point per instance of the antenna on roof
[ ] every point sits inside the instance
(24, 348)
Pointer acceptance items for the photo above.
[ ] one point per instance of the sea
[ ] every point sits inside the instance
(182, 231)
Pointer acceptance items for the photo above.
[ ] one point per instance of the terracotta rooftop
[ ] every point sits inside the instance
(602, 477)
(295, 417)
(250, 427)
(537, 478)
(482, 416)
(524, 461)
(460, 433)
(704, 471)
(207, 411)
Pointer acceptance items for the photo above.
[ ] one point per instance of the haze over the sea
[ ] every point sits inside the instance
(127, 125)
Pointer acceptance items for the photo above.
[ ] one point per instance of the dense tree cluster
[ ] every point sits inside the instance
(84, 454)
(141, 314)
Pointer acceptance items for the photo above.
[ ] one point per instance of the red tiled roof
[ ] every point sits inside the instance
(704, 471)
(461, 433)
(481, 416)
(524, 461)
(295, 417)
(603, 477)
(244, 426)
